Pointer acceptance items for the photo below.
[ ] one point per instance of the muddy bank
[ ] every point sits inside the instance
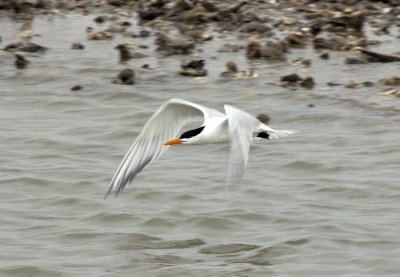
(266, 31)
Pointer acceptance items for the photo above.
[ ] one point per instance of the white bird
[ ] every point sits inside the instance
(235, 126)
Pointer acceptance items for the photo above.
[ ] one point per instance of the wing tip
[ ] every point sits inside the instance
(109, 192)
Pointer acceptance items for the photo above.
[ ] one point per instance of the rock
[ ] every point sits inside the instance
(294, 80)
(333, 43)
(125, 77)
(20, 61)
(149, 13)
(253, 49)
(264, 118)
(125, 24)
(296, 39)
(287, 20)
(25, 47)
(76, 88)
(302, 61)
(333, 84)
(197, 15)
(274, 50)
(208, 6)
(77, 46)
(193, 63)
(197, 35)
(193, 67)
(325, 56)
(354, 60)
(291, 78)
(100, 19)
(150, 10)
(377, 57)
(179, 8)
(393, 81)
(351, 84)
(354, 20)
(144, 33)
(93, 35)
(116, 29)
(230, 48)
(25, 32)
(193, 72)
(315, 28)
(118, 3)
(389, 92)
(271, 50)
(368, 84)
(232, 72)
(173, 46)
(124, 54)
(234, 8)
(308, 83)
(255, 27)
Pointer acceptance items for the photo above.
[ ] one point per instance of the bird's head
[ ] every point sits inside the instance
(188, 137)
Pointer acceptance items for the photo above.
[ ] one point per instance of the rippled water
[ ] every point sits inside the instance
(325, 202)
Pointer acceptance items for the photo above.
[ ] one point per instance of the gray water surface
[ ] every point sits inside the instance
(324, 202)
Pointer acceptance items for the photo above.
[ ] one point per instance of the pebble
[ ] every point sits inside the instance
(291, 78)
(264, 118)
(232, 72)
(125, 77)
(76, 88)
(325, 56)
(352, 84)
(20, 61)
(308, 82)
(390, 92)
(393, 81)
(77, 46)
(193, 67)
(25, 47)
(171, 46)
(124, 53)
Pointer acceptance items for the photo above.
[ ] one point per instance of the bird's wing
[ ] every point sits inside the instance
(241, 126)
(163, 125)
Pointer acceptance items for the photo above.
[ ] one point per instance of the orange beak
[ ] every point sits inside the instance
(173, 141)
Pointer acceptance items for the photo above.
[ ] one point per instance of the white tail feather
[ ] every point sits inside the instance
(282, 133)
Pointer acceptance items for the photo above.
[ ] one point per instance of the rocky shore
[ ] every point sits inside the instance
(267, 31)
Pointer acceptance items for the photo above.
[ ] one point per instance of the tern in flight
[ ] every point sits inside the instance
(236, 127)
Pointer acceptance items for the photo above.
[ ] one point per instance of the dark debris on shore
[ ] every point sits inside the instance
(270, 29)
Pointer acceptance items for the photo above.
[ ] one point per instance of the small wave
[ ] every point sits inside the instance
(158, 222)
(265, 256)
(173, 244)
(304, 165)
(29, 271)
(228, 248)
(171, 259)
(215, 223)
(110, 218)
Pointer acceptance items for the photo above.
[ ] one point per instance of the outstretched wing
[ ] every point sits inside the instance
(163, 125)
(241, 126)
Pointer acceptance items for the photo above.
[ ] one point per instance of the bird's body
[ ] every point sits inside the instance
(236, 127)
(215, 131)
